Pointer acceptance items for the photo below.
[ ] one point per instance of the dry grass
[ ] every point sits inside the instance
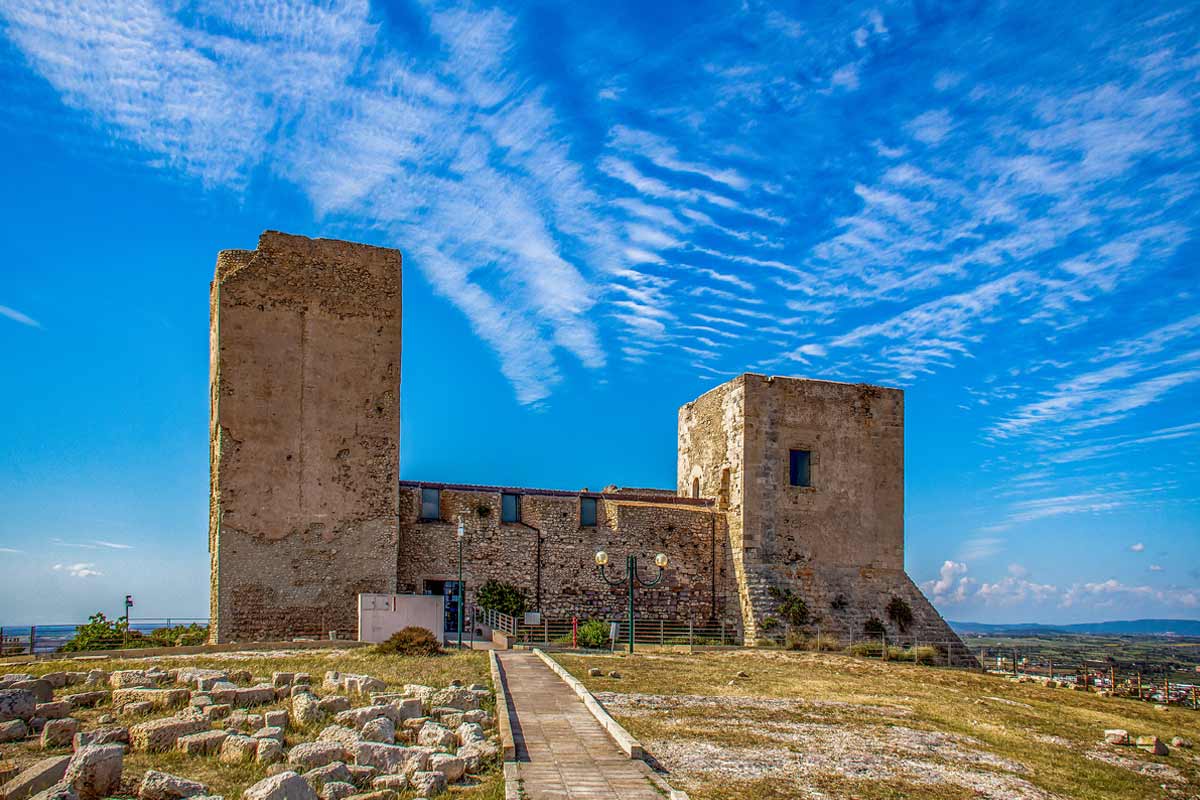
(807, 725)
(229, 781)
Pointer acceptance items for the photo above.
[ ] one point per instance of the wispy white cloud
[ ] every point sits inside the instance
(78, 570)
(952, 584)
(17, 316)
(1137, 547)
(94, 544)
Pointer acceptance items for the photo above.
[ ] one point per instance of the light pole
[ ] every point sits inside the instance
(461, 593)
(631, 579)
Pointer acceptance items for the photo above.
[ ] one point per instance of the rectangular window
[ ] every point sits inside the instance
(431, 503)
(510, 508)
(587, 511)
(801, 474)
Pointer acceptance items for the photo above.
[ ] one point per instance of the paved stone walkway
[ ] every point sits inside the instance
(562, 752)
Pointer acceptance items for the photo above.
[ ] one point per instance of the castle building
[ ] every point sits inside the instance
(790, 492)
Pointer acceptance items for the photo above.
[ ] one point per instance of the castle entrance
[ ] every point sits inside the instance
(449, 591)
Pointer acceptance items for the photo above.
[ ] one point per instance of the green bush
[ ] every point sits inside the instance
(926, 654)
(502, 597)
(410, 641)
(177, 636)
(874, 627)
(101, 633)
(866, 649)
(593, 634)
(792, 607)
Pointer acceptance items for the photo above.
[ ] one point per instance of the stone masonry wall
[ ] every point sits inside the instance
(692, 536)
(305, 432)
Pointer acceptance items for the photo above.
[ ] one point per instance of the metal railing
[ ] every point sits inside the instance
(564, 632)
(24, 640)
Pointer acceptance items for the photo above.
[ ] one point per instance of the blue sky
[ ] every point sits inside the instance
(604, 212)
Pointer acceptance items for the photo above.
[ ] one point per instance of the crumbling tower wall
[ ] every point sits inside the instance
(304, 435)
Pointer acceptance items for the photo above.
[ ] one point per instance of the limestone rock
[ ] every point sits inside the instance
(59, 791)
(316, 754)
(337, 790)
(17, 704)
(392, 758)
(436, 736)
(595, 672)
(347, 737)
(87, 699)
(419, 691)
(378, 794)
(333, 772)
(397, 783)
(260, 695)
(1116, 736)
(279, 679)
(334, 703)
(204, 743)
(476, 754)
(94, 771)
(268, 751)
(42, 690)
(240, 720)
(159, 699)
(109, 735)
(56, 710)
(217, 711)
(429, 784)
(157, 735)
(127, 678)
(269, 733)
(13, 730)
(157, 785)
(1152, 744)
(469, 732)
(306, 709)
(276, 719)
(478, 716)
(463, 699)
(139, 709)
(238, 749)
(357, 717)
(380, 729)
(59, 732)
(36, 778)
(452, 767)
(361, 774)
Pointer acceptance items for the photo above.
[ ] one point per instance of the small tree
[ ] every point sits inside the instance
(502, 597)
(792, 607)
(101, 633)
(900, 612)
(839, 603)
(593, 634)
(874, 627)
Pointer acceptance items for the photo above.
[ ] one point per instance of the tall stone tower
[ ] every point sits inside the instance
(811, 475)
(304, 435)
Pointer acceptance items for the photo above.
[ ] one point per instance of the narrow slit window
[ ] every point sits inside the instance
(510, 508)
(587, 511)
(801, 468)
(431, 503)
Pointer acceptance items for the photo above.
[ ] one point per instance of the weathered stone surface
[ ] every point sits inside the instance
(437, 736)
(449, 717)
(204, 743)
(157, 735)
(157, 785)
(59, 733)
(1152, 744)
(55, 710)
(334, 771)
(129, 678)
(361, 774)
(284, 786)
(477, 754)
(306, 708)
(378, 794)
(282, 678)
(1116, 736)
(269, 733)
(95, 770)
(223, 692)
(276, 719)
(1180, 741)
(10, 678)
(380, 729)
(469, 732)
(60, 791)
(397, 783)
(336, 790)
(238, 749)
(260, 695)
(419, 691)
(451, 766)
(107, 735)
(334, 704)
(159, 699)
(269, 751)
(452, 697)
(428, 784)
(36, 778)
(202, 679)
(57, 680)
(138, 709)
(240, 720)
(478, 716)
(392, 758)
(87, 699)
(42, 691)
(17, 704)
(357, 717)
(316, 754)
(13, 730)
(347, 737)
(217, 711)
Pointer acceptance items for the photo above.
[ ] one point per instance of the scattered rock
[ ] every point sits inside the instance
(238, 749)
(306, 708)
(59, 732)
(378, 794)
(614, 674)
(112, 735)
(87, 699)
(333, 772)
(476, 754)
(1116, 736)
(334, 704)
(469, 732)
(36, 778)
(742, 674)
(56, 710)
(478, 716)
(316, 754)
(218, 711)
(268, 751)
(392, 759)
(337, 790)
(128, 678)
(204, 743)
(276, 719)
(397, 783)
(17, 704)
(95, 771)
(42, 690)
(159, 699)
(157, 735)
(437, 736)
(269, 733)
(419, 691)
(157, 785)
(428, 783)
(284, 786)
(1152, 744)
(1179, 741)
(347, 737)
(59, 791)
(380, 729)
(452, 767)
(138, 709)
(361, 774)
(455, 697)
(595, 672)
(280, 679)
(13, 730)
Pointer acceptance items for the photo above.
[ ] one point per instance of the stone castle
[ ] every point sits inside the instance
(786, 488)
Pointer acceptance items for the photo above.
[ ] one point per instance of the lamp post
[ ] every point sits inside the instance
(461, 593)
(631, 579)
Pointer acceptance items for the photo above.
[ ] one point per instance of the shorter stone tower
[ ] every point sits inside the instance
(304, 435)
(811, 477)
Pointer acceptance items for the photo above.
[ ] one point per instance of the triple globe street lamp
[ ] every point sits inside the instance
(630, 579)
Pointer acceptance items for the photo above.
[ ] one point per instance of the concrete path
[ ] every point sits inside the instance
(562, 752)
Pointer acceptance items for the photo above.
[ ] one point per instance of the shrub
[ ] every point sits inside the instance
(410, 641)
(866, 649)
(792, 607)
(178, 636)
(874, 627)
(593, 634)
(900, 612)
(926, 654)
(899, 654)
(101, 633)
(502, 597)
(768, 623)
(839, 603)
